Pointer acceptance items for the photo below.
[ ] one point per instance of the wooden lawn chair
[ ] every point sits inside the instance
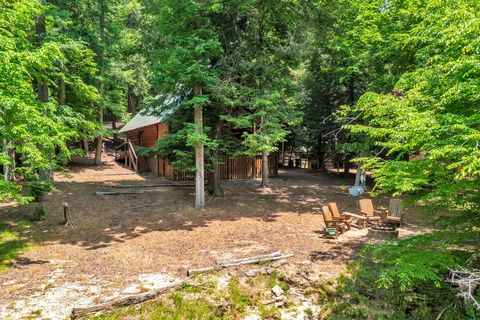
(330, 222)
(336, 215)
(366, 208)
(395, 211)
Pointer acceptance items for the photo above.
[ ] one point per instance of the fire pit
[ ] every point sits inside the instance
(383, 231)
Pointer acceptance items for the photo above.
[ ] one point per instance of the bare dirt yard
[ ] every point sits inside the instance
(122, 244)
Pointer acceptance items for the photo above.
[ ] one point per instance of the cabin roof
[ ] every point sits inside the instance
(141, 120)
(168, 104)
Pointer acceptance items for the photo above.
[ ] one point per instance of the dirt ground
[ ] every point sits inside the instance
(153, 237)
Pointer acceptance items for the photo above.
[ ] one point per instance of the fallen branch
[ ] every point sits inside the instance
(262, 256)
(114, 193)
(128, 186)
(238, 263)
(122, 302)
(467, 281)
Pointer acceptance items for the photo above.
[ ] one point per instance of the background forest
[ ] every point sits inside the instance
(360, 83)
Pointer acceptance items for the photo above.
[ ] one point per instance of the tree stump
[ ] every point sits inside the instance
(68, 219)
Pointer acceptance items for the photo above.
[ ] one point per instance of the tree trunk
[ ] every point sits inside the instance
(214, 188)
(199, 157)
(265, 180)
(114, 128)
(6, 167)
(132, 101)
(85, 147)
(101, 63)
(346, 167)
(61, 92)
(360, 177)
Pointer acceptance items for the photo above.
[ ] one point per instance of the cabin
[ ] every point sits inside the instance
(144, 130)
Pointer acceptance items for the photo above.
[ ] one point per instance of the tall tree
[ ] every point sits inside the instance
(259, 73)
(32, 122)
(188, 49)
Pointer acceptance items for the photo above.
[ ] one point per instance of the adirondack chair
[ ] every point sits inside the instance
(330, 222)
(366, 207)
(336, 215)
(395, 211)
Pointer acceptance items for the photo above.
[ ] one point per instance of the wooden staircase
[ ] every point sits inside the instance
(125, 153)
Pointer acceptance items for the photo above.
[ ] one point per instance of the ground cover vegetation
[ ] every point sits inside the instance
(367, 83)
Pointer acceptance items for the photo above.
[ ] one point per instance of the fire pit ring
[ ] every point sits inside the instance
(383, 231)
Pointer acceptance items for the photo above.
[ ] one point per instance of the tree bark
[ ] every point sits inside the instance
(199, 156)
(346, 167)
(61, 92)
(85, 147)
(132, 101)
(101, 63)
(321, 154)
(8, 167)
(265, 179)
(214, 188)
(114, 128)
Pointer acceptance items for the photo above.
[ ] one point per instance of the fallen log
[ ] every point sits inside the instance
(122, 302)
(128, 186)
(269, 255)
(246, 261)
(114, 193)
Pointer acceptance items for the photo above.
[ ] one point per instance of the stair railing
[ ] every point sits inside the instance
(131, 158)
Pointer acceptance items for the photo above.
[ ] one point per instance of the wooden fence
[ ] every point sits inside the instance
(238, 168)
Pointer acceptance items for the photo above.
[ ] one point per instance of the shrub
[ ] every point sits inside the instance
(37, 214)
(406, 279)
(38, 188)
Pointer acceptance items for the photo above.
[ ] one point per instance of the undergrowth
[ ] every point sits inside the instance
(406, 279)
(204, 300)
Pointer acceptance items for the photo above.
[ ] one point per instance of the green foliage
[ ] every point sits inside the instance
(241, 54)
(37, 214)
(436, 113)
(37, 189)
(408, 276)
(27, 126)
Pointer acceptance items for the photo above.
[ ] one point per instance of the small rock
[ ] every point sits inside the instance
(280, 304)
(277, 291)
(251, 273)
(271, 270)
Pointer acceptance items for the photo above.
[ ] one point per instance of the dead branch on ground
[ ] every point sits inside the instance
(467, 282)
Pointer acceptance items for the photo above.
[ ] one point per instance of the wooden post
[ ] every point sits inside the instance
(199, 164)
